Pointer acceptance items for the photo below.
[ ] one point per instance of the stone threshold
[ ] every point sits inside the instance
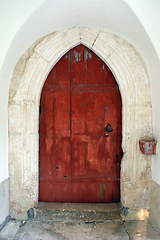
(78, 212)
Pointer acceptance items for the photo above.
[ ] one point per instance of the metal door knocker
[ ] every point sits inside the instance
(109, 128)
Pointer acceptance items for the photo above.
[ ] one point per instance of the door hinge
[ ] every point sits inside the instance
(117, 159)
(39, 110)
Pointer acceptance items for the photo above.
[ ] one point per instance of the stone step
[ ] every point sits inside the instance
(78, 212)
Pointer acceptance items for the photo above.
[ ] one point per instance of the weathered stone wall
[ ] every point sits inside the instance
(155, 205)
(4, 202)
(25, 90)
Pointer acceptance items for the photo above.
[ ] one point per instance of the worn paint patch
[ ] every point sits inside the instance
(77, 56)
(87, 55)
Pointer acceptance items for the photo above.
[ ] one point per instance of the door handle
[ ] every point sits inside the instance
(109, 127)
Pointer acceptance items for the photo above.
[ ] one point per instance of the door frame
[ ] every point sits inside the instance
(130, 73)
(90, 184)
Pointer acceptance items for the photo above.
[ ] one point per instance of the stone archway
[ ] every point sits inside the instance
(25, 89)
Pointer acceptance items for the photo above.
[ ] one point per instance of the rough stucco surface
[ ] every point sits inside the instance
(4, 200)
(155, 206)
(25, 90)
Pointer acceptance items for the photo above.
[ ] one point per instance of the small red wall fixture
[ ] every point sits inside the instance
(148, 147)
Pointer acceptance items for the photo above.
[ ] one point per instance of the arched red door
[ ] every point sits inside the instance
(80, 131)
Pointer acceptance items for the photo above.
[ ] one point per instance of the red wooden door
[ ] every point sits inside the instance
(80, 131)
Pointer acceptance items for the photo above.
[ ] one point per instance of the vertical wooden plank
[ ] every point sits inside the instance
(119, 127)
(42, 150)
(108, 192)
(111, 192)
(62, 135)
(102, 192)
(78, 156)
(94, 69)
(46, 191)
(117, 191)
(77, 66)
(93, 192)
(78, 109)
(110, 141)
(79, 192)
(95, 133)
(97, 72)
(49, 80)
(61, 71)
(48, 170)
(63, 191)
(108, 76)
(119, 153)
(78, 113)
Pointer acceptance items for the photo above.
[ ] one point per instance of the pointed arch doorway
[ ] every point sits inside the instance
(80, 131)
(25, 91)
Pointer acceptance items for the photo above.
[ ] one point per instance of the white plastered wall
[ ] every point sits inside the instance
(147, 12)
(25, 89)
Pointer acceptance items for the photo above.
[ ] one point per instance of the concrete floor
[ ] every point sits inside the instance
(108, 230)
(80, 221)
